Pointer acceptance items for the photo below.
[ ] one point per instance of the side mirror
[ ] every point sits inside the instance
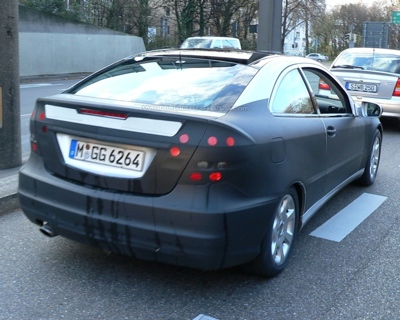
(371, 109)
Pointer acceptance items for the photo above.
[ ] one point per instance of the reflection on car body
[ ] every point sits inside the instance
(150, 158)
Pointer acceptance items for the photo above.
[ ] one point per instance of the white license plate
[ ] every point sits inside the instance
(108, 155)
(361, 87)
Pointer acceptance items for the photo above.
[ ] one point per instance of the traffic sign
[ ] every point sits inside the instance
(396, 17)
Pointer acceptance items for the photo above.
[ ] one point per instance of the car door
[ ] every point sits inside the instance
(344, 130)
(301, 132)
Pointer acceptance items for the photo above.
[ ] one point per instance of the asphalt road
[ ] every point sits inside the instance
(355, 278)
(29, 92)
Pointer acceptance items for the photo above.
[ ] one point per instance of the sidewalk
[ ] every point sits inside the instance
(9, 177)
(8, 190)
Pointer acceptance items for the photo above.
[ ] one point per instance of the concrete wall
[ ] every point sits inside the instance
(51, 45)
(55, 53)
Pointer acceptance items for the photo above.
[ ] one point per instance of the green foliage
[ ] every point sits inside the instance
(50, 6)
(186, 18)
(249, 44)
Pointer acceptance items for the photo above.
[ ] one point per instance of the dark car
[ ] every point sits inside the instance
(371, 74)
(202, 159)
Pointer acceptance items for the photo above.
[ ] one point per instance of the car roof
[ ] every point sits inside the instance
(236, 56)
(212, 37)
(377, 50)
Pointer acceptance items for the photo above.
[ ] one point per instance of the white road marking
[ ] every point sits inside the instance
(346, 220)
(37, 85)
(204, 317)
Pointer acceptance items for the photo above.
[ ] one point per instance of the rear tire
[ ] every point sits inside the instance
(372, 164)
(278, 242)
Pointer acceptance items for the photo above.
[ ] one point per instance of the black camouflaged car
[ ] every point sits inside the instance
(204, 159)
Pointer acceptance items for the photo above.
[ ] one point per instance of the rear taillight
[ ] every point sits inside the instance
(205, 177)
(208, 171)
(217, 158)
(215, 176)
(34, 145)
(107, 114)
(396, 91)
(323, 85)
(34, 133)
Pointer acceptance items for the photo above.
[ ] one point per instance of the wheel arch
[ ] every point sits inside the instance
(301, 196)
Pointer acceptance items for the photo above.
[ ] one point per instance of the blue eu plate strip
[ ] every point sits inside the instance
(72, 149)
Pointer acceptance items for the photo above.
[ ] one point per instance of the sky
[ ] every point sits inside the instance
(333, 3)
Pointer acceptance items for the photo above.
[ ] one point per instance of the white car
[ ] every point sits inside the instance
(371, 74)
(211, 43)
(317, 57)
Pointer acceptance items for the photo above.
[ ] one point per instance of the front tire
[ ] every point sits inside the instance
(372, 164)
(278, 242)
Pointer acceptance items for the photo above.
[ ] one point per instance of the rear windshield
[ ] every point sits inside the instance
(370, 61)
(196, 43)
(177, 84)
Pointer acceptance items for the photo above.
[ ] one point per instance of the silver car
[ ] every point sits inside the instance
(371, 74)
(317, 57)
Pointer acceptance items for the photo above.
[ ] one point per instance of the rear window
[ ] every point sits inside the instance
(370, 61)
(196, 43)
(177, 84)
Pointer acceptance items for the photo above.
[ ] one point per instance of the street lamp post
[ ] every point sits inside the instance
(10, 123)
(270, 25)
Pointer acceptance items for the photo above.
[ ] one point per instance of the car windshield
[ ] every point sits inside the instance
(369, 61)
(171, 84)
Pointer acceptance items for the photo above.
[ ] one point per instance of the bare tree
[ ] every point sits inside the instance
(185, 12)
(291, 17)
(313, 11)
(246, 16)
(223, 12)
(198, 17)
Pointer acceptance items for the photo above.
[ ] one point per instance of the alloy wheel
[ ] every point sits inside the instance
(283, 229)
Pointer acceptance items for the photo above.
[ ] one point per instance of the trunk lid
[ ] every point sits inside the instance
(362, 83)
(114, 146)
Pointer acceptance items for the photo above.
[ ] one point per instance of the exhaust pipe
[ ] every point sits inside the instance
(47, 230)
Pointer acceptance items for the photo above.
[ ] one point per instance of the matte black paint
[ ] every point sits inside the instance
(164, 216)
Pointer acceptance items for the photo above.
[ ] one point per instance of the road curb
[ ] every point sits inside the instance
(9, 203)
(9, 190)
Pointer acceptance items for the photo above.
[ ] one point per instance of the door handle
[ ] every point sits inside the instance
(331, 131)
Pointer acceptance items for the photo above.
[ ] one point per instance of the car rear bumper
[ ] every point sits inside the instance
(203, 227)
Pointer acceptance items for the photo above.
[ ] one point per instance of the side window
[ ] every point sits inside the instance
(326, 95)
(292, 96)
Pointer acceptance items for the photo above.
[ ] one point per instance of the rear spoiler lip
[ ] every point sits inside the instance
(141, 110)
